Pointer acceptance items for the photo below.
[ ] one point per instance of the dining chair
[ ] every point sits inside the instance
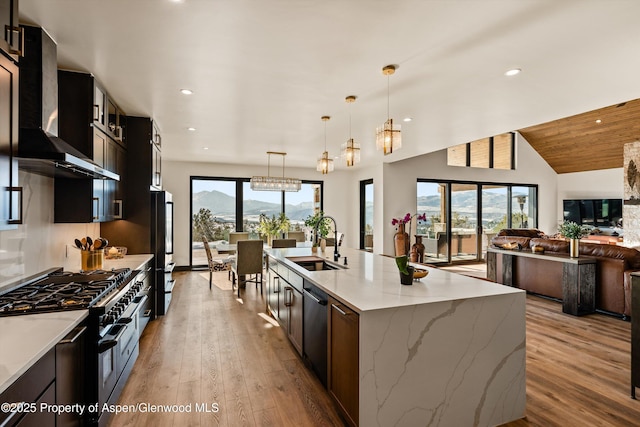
(215, 264)
(248, 261)
(299, 236)
(234, 236)
(283, 243)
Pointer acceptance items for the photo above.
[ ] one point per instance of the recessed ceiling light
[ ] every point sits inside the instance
(513, 72)
(191, 129)
(206, 148)
(407, 119)
(598, 121)
(186, 91)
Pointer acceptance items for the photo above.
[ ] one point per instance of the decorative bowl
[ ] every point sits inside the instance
(419, 274)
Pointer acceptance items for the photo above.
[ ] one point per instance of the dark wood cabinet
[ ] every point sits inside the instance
(284, 299)
(35, 386)
(142, 135)
(10, 192)
(134, 232)
(84, 123)
(11, 40)
(71, 375)
(343, 381)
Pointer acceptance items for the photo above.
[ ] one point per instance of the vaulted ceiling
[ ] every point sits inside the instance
(263, 72)
(588, 141)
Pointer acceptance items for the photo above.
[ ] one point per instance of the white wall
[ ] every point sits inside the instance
(39, 244)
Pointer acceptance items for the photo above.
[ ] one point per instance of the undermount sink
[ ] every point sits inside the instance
(315, 263)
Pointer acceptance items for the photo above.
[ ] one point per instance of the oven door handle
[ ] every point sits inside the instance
(105, 345)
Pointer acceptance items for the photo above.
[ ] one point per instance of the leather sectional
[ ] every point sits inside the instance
(614, 265)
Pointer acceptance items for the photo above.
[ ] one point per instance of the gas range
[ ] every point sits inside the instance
(60, 290)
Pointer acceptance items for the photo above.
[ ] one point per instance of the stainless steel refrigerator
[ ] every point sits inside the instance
(162, 247)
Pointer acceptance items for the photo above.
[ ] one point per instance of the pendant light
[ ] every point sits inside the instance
(275, 183)
(351, 149)
(388, 136)
(325, 164)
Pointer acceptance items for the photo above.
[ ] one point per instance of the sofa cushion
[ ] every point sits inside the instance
(522, 232)
(630, 256)
(500, 241)
(551, 245)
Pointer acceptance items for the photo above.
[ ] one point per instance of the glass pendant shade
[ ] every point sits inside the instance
(351, 152)
(325, 164)
(388, 137)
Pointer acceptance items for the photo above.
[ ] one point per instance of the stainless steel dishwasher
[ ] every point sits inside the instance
(315, 330)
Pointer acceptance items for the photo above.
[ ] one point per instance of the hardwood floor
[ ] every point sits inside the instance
(214, 349)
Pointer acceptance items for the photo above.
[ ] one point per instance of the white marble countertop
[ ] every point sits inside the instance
(25, 339)
(372, 282)
(134, 262)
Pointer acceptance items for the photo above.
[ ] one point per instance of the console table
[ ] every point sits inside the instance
(635, 333)
(578, 277)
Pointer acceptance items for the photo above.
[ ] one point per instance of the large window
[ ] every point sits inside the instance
(366, 214)
(223, 205)
(462, 217)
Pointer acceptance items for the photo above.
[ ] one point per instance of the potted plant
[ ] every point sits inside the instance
(574, 232)
(271, 227)
(406, 270)
(318, 223)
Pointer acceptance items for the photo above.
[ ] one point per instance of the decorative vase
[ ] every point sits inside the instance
(574, 248)
(407, 279)
(418, 249)
(413, 254)
(323, 245)
(401, 241)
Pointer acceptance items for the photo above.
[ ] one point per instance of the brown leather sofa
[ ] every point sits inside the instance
(613, 268)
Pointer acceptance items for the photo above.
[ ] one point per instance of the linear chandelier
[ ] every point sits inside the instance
(388, 137)
(351, 149)
(275, 183)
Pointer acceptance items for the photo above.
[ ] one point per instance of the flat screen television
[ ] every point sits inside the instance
(596, 212)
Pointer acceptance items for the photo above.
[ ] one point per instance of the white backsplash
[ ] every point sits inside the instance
(39, 244)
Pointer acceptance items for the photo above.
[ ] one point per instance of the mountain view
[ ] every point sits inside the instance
(223, 207)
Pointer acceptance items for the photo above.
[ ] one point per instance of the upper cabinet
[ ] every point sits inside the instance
(84, 106)
(144, 152)
(91, 122)
(10, 192)
(11, 41)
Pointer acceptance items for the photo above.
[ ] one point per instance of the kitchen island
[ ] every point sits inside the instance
(448, 350)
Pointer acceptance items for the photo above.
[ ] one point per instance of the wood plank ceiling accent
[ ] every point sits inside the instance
(578, 143)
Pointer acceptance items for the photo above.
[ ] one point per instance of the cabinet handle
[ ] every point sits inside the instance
(278, 288)
(96, 113)
(339, 310)
(157, 181)
(14, 414)
(17, 190)
(288, 304)
(74, 338)
(8, 30)
(117, 209)
(96, 212)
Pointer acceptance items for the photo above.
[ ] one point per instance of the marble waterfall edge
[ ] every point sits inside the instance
(452, 363)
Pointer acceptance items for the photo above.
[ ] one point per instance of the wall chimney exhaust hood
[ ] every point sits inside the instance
(42, 153)
(39, 148)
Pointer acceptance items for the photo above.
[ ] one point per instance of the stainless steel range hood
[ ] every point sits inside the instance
(46, 154)
(41, 151)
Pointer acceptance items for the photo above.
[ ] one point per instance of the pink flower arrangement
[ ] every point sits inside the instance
(407, 219)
